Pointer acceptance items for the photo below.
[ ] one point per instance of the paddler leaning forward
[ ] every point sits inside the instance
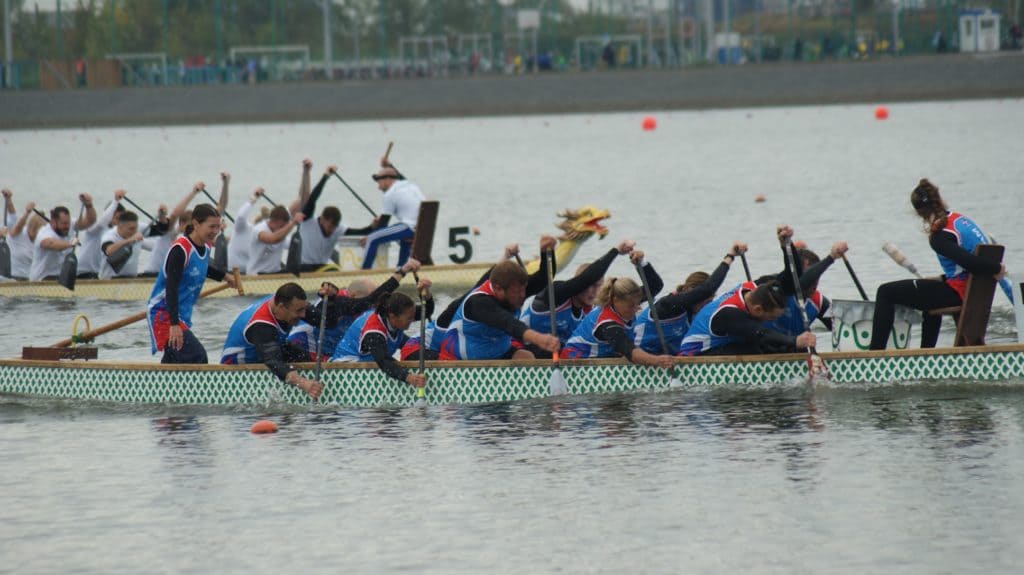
(486, 324)
(260, 333)
(177, 288)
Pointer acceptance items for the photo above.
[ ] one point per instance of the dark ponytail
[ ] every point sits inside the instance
(200, 214)
(929, 205)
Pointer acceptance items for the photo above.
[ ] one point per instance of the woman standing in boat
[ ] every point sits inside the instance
(177, 288)
(953, 237)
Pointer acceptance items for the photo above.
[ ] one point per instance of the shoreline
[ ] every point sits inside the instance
(912, 78)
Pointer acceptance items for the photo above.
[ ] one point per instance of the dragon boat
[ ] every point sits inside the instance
(577, 227)
(469, 382)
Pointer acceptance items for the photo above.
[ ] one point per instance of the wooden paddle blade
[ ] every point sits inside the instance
(69, 271)
(5, 259)
(294, 265)
(557, 384)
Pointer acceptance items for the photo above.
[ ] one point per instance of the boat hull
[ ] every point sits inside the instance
(364, 385)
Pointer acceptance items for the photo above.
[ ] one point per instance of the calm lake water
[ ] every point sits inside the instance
(914, 478)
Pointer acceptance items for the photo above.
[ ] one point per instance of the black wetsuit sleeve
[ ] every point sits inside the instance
(158, 229)
(354, 306)
(445, 319)
(676, 304)
(310, 208)
(825, 305)
(382, 222)
(594, 272)
(375, 345)
(734, 322)
(539, 279)
(264, 338)
(944, 243)
(614, 334)
(814, 273)
(174, 268)
(364, 231)
(488, 311)
(653, 280)
(215, 273)
(785, 277)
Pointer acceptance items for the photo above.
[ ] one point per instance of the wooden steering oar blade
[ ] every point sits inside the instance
(901, 260)
(815, 365)
(89, 335)
(674, 381)
(365, 205)
(856, 281)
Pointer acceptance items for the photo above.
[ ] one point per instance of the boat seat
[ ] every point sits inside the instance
(423, 239)
(972, 316)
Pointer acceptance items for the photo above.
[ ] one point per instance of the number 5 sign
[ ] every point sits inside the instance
(455, 242)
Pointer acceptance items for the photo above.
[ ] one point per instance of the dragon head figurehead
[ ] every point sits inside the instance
(580, 224)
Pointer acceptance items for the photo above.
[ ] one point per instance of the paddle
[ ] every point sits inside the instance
(387, 163)
(674, 381)
(90, 335)
(69, 269)
(5, 258)
(272, 202)
(320, 338)
(368, 208)
(815, 365)
(421, 392)
(142, 211)
(897, 256)
(209, 197)
(860, 288)
(557, 384)
(519, 261)
(746, 268)
(41, 214)
(294, 263)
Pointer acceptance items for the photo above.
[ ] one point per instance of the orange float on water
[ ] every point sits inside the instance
(649, 123)
(264, 426)
(759, 198)
(881, 113)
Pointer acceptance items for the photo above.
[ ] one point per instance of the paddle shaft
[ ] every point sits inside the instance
(798, 291)
(140, 316)
(142, 211)
(207, 194)
(423, 319)
(320, 336)
(368, 208)
(387, 161)
(654, 314)
(856, 281)
(519, 261)
(265, 197)
(746, 268)
(41, 214)
(551, 297)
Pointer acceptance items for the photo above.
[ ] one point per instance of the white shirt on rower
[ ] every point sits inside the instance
(158, 247)
(21, 248)
(264, 258)
(89, 253)
(46, 262)
(130, 268)
(317, 248)
(241, 236)
(402, 203)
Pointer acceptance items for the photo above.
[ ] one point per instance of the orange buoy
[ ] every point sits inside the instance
(759, 198)
(476, 231)
(881, 113)
(264, 426)
(649, 123)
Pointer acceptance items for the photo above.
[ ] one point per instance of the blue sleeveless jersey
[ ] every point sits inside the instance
(584, 342)
(305, 335)
(968, 236)
(790, 322)
(350, 346)
(467, 339)
(699, 338)
(192, 279)
(646, 334)
(237, 349)
(565, 318)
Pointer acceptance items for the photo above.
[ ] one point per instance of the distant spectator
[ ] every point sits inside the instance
(608, 55)
(80, 73)
(939, 41)
(1015, 36)
(798, 50)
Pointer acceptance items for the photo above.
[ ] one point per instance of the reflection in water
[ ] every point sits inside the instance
(187, 445)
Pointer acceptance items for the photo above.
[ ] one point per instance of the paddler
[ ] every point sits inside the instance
(53, 242)
(177, 288)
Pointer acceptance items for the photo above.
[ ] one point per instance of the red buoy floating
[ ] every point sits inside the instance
(649, 123)
(264, 426)
(759, 198)
(881, 113)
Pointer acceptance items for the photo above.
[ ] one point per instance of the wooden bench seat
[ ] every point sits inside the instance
(972, 316)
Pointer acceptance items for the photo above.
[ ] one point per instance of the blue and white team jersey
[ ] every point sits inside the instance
(350, 347)
(646, 334)
(238, 349)
(566, 318)
(468, 339)
(306, 335)
(699, 338)
(790, 322)
(192, 279)
(584, 342)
